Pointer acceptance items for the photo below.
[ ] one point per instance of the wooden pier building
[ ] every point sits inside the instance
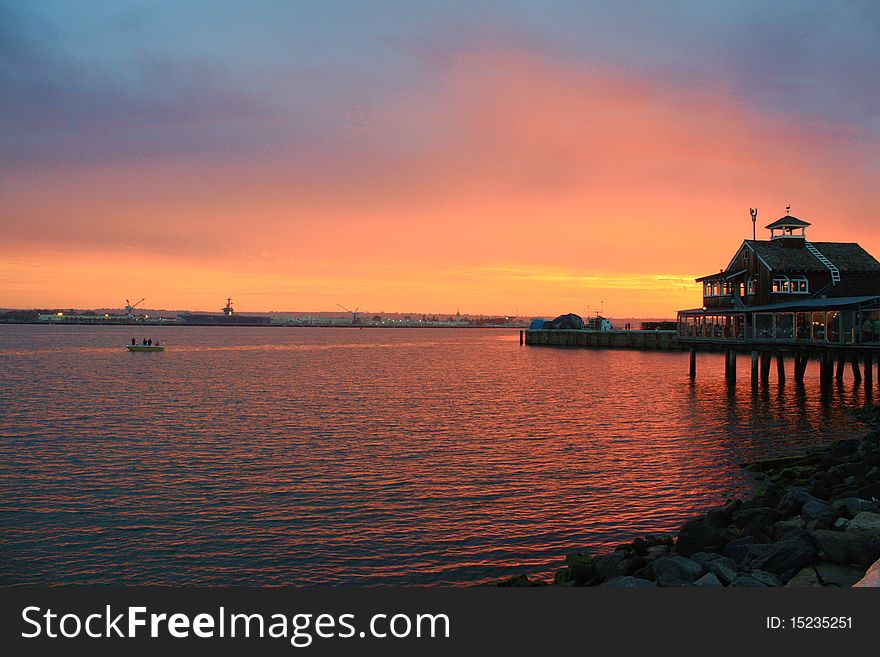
(789, 296)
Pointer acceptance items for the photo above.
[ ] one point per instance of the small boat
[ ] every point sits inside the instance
(144, 347)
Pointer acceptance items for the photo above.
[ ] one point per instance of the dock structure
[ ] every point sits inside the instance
(601, 339)
(787, 298)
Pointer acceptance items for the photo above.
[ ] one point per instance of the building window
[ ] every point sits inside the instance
(781, 285)
(800, 285)
(745, 256)
(751, 285)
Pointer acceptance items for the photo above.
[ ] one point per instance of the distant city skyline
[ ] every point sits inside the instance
(544, 157)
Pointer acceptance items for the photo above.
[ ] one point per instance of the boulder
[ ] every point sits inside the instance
(725, 568)
(709, 580)
(676, 570)
(870, 491)
(608, 566)
(767, 579)
(745, 515)
(737, 549)
(519, 580)
(745, 580)
(782, 527)
(718, 518)
(840, 524)
(794, 551)
(703, 558)
(849, 507)
(819, 511)
(848, 547)
(580, 567)
(834, 574)
(865, 523)
(696, 536)
(805, 577)
(629, 582)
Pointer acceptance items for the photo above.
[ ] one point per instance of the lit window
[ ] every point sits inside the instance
(781, 285)
(800, 285)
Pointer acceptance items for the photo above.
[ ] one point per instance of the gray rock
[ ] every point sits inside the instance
(676, 570)
(725, 568)
(629, 582)
(815, 510)
(656, 551)
(737, 549)
(839, 575)
(782, 527)
(718, 518)
(608, 566)
(580, 567)
(703, 558)
(865, 523)
(848, 547)
(840, 524)
(767, 579)
(757, 551)
(849, 507)
(696, 536)
(745, 580)
(806, 577)
(793, 500)
(744, 516)
(794, 551)
(709, 580)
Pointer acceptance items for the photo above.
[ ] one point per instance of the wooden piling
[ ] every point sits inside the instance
(766, 358)
(693, 367)
(869, 370)
(857, 374)
(841, 363)
(800, 366)
(731, 364)
(826, 368)
(780, 367)
(754, 367)
(522, 336)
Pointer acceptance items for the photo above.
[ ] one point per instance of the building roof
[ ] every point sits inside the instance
(788, 221)
(846, 256)
(726, 275)
(837, 303)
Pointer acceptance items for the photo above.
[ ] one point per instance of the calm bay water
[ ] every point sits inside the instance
(275, 456)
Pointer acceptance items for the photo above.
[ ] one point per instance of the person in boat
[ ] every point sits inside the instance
(133, 343)
(145, 342)
(150, 342)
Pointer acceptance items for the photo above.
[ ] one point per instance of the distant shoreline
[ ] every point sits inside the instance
(293, 326)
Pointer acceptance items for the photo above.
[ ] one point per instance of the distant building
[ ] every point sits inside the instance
(598, 323)
(789, 289)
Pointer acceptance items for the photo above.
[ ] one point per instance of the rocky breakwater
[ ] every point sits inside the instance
(814, 522)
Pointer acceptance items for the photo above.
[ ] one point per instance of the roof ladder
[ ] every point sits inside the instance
(835, 272)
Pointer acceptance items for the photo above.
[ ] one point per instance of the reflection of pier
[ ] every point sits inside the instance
(789, 297)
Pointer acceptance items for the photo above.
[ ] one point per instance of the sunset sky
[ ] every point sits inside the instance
(539, 157)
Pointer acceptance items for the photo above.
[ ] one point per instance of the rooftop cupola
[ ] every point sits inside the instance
(789, 228)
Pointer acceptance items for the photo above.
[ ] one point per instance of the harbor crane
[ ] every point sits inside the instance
(355, 317)
(129, 307)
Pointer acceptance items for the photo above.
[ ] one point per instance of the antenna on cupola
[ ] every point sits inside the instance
(754, 213)
(788, 209)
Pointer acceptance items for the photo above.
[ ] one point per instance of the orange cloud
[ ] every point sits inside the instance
(503, 181)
